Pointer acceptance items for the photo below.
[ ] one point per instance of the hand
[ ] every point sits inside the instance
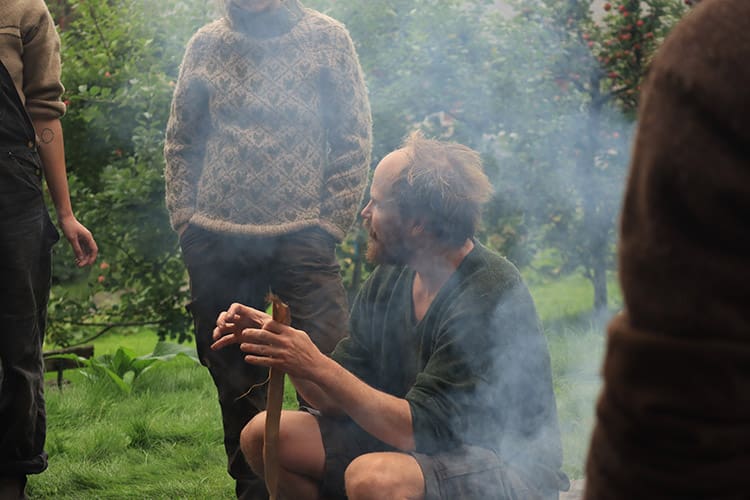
(235, 319)
(267, 342)
(81, 240)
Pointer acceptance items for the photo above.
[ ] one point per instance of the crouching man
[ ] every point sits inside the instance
(443, 388)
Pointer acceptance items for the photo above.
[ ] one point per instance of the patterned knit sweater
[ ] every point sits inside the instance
(30, 50)
(270, 128)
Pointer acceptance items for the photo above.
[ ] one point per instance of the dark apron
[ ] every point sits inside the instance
(16, 128)
(26, 238)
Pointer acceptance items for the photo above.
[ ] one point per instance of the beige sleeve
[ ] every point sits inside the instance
(41, 65)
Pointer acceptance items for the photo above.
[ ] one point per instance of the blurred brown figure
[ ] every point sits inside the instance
(31, 147)
(674, 414)
(267, 152)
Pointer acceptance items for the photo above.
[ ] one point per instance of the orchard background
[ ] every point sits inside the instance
(546, 90)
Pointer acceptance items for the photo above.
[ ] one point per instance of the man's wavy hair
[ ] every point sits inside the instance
(443, 188)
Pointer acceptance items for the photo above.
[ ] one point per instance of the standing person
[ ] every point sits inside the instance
(31, 146)
(267, 152)
(673, 419)
(444, 389)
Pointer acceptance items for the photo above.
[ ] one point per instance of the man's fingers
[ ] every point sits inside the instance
(252, 335)
(259, 348)
(93, 249)
(235, 309)
(223, 325)
(262, 361)
(221, 320)
(253, 316)
(224, 341)
(226, 320)
(84, 247)
(81, 259)
(217, 333)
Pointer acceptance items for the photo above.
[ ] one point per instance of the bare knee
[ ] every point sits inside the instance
(251, 442)
(375, 476)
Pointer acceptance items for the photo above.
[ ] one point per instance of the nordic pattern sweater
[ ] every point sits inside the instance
(270, 127)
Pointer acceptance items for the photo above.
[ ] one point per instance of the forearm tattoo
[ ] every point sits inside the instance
(47, 136)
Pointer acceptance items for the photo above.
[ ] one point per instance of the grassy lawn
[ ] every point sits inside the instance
(163, 440)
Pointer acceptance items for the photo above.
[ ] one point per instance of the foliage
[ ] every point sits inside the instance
(162, 441)
(120, 59)
(123, 367)
(546, 90)
(566, 145)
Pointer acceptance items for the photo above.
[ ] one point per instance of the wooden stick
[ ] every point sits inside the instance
(274, 398)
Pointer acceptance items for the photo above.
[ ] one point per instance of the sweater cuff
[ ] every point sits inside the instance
(333, 230)
(179, 218)
(45, 110)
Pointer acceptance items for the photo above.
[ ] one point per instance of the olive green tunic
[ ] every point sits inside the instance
(474, 370)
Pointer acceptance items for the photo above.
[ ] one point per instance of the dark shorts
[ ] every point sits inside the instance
(468, 472)
(471, 472)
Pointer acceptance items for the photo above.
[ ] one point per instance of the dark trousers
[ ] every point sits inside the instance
(26, 239)
(301, 268)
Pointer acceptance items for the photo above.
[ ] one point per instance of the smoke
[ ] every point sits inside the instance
(514, 410)
(506, 87)
(522, 92)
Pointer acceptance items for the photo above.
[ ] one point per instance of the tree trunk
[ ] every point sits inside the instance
(599, 280)
(595, 224)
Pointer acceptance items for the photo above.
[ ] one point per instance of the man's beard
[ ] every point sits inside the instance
(389, 247)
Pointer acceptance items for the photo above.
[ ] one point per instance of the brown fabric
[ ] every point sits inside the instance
(674, 414)
(30, 49)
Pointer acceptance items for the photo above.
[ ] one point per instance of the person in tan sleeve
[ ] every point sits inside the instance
(31, 148)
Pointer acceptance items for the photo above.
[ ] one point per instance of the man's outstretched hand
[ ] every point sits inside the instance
(234, 320)
(267, 342)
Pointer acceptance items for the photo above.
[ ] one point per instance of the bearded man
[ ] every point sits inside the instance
(443, 389)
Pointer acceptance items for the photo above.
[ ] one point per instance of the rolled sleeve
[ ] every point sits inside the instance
(42, 87)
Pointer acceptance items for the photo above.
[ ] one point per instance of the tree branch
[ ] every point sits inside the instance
(103, 39)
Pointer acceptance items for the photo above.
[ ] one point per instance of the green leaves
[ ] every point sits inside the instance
(545, 90)
(123, 367)
(120, 61)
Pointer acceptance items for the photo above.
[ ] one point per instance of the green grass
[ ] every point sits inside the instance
(162, 441)
(165, 441)
(140, 340)
(576, 344)
(576, 357)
